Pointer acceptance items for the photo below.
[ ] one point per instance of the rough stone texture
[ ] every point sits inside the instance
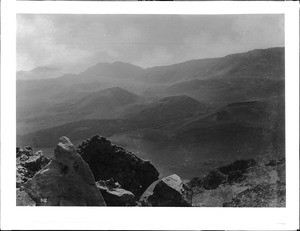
(110, 161)
(275, 162)
(23, 199)
(114, 195)
(29, 165)
(262, 195)
(170, 191)
(235, 177)
(66, 181)
(258, 185)
(28, 151)
(238, 165)
(195, 182)
(236, 170)
(213, 180)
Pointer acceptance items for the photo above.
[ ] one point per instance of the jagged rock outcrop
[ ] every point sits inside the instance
(231, 173)
(28, 151)
(238, 165)
(235, 171)
(250, 183)
(171, 191)
(114, 195)
(262, 195)
(110, 161)
(28, 164)
(213, 180)
(66, 180)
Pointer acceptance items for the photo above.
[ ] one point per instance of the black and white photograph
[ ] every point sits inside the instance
(149, 116)
(159, 110)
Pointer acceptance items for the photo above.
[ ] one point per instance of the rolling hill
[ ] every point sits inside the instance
(227, 90)
(261, 63)
(190, 143)
(168, 110)
(104, 104)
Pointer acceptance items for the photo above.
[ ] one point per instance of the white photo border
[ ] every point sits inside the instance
(146, 218)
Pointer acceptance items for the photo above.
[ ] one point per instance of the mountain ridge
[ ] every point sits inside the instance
(119, 64)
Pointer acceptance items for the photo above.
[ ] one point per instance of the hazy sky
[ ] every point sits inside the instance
(74, 42)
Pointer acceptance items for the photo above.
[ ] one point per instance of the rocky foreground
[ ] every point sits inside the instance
(99, 173)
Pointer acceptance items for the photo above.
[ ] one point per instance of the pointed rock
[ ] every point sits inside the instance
(171, 191)
(66, 181)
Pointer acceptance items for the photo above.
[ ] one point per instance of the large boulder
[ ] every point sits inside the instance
(110, 161)
(29, 165)
(67, 180)
(114, 195)
(171, 191)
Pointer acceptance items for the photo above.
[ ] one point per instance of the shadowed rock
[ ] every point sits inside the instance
(29, 165)
(110, 161)
(213, 180)
(238, 165)
(114, 195)
(170, 191)
(236, 170)
(66, 180)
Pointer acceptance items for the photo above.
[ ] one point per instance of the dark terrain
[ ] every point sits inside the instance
(100, 173)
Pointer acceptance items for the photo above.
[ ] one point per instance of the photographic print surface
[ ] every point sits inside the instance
(146, 0)
(150, 110)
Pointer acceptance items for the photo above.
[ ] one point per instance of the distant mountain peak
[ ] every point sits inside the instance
(40, 72)
(43, 69)
(115, 64)
(177, 98)
(115, 90)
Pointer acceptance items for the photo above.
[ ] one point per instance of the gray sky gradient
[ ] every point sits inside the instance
(75, 42)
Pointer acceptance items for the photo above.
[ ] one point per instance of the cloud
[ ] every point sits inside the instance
(79, 41)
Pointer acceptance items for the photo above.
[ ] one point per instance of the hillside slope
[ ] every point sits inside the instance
(186, 143)
(261, 63)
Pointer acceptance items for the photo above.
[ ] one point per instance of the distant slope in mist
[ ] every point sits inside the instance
(238, 130)
(105, 101)
(104, 104)
(110, 70)
(262, 63)
(41, 72)
(168, 110)
(164, 112)
(33, 96)
(228, 90)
